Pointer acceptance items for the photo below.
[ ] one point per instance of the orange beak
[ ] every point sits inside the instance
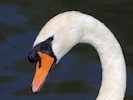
(42, 69)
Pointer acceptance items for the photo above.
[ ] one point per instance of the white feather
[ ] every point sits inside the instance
(72, 27)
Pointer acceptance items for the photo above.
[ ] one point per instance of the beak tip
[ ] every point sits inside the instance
(34, 90)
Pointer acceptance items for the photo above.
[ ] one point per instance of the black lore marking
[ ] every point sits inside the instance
(44, 47)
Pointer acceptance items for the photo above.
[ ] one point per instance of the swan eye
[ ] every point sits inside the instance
(50, 39)
(46, 45)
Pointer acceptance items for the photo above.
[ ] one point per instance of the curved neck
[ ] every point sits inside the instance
(84, 28)
(113, 83)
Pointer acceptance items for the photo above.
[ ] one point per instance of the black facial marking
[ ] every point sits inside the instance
(44, 47)
(33, 56)
(39, 63)
(50, 39)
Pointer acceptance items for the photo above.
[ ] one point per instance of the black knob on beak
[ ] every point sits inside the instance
(33, 57)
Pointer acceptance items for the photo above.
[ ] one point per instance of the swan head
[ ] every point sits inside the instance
(64, 31)
(52, 43)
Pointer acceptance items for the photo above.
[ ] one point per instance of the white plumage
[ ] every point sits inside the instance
(73, 27)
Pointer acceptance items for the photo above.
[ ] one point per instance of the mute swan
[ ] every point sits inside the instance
(67, 29)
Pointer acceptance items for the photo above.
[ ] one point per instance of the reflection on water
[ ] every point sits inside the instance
(78, 74)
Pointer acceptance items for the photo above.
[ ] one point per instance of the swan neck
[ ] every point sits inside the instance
(113, 83)
(86, 29)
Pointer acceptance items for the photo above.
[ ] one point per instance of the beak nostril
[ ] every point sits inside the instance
(39, 62)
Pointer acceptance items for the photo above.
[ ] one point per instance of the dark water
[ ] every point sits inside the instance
(78, 74)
